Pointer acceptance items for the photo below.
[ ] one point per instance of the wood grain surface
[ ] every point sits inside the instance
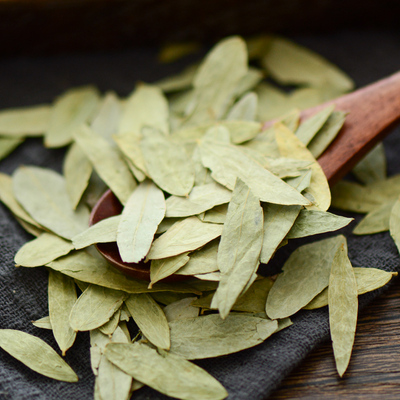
(374, 370)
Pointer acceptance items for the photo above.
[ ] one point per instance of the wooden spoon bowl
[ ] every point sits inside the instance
(373, 111)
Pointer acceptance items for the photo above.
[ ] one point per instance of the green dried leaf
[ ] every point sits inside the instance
(201, 198)
(146, 106)
(394, 223)
(181, 309)
(84, 267)
(43, 323)
(327, 133)
(176, 83)
(375, 221)
(165, 372)
(77, 170)
(167, 163)
(210, 336)
(94, 307)
(309, 128)
(141, 216)
(62, 297)
(150, 319)
(278, 220)
(42, 250)
(42, 193)
(305, 274)
(290, 63)
(202, 261)
(187, 235)
(240, 247)
(368, 279)
(104, 231)
(69, 111)
(313, 222)
(215, 80)
(160, 269)
(228, 162)
(36, 354)
(240, 131)
(107, 161)
(24, 121)
(106, 121)
(372, 167)
(111, 325)
(8, 144)
(343, 308)
(290, 146)
(9, 200)
(216, 215)
(245, 109)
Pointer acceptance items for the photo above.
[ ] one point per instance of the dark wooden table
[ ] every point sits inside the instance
(374, 370)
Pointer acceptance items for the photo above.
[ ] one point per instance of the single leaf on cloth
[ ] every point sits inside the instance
(240, 131)
(290, 63)
(202, 261)
(86, 268)
(36, 354)
(42, 193)
(290, 146)
(305, 274)
(94, 307)
(375, 221)
(368, 279)
(310, 127)
(70, 110)
(160, 269)
(201, 198)
(181, 309)
(43, 323)
(394, 223)
(146, 106)
(244, 109)
(313, 222)
(143, 211)
(42, 250)
(150, 319)
(187, 235)
(104, 231)
(343, 308)
(239, 248)
(25, 121)
(165, 372)
(372, 167)
(77, 170)
(9, 200)
(215, 80)
(62, 297)
(167, 163)
(278, 220)
(327, 133)
(210, 336)
(107, 161)
(228, 162)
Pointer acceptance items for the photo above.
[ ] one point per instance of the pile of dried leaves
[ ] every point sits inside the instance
(208, 193)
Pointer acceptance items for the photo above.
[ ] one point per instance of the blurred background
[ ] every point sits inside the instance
(54, 26)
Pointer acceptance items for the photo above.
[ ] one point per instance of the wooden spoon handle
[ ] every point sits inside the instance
(373, 112)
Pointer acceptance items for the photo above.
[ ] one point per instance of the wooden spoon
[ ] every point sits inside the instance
(373, 111)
